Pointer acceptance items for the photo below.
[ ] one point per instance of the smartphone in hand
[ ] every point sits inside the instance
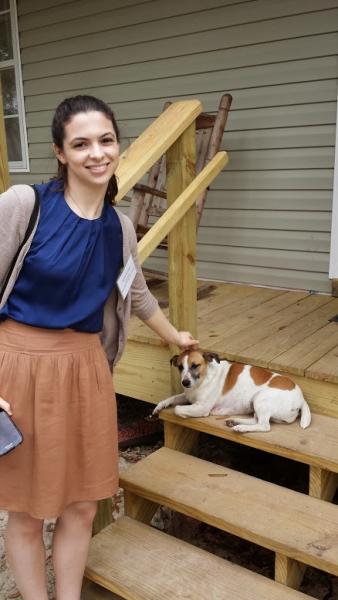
(10, 435)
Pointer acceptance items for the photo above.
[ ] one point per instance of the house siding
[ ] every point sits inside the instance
(268, 215)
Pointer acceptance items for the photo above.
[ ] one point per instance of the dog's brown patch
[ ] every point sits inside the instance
(232, 376)
(177, 360)
(282, 383)
(197, 358)
(260, 375)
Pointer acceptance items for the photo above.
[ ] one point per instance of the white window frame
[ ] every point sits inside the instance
(21, 166)
(333, 272)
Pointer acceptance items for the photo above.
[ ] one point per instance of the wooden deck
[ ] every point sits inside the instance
(287, 331)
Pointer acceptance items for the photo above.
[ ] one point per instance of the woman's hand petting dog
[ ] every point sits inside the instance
(185, 341)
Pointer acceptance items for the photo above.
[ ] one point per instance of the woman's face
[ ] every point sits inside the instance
(90, 149)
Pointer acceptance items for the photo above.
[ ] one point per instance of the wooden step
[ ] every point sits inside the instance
(317, 445)
(287, 522)
(139, 562)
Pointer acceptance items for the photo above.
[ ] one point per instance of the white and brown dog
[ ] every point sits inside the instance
(218, 387)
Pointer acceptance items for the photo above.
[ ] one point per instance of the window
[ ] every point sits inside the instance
(11, 83)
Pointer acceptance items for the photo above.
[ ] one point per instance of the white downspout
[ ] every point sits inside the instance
(333, 272)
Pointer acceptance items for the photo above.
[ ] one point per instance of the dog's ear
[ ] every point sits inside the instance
(209, 356)
(174, 359)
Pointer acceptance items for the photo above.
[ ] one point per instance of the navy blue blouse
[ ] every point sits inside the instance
(70, 269)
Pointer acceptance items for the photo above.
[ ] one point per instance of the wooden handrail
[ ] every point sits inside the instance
(154, 142)
(181, 205)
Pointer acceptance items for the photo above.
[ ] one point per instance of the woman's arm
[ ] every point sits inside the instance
(159, 323)
(16, 205)
(145, 305)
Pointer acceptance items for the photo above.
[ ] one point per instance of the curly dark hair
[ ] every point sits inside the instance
(63, 114)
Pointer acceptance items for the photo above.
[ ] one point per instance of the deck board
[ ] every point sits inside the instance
(308, 351)
(326, 368)
(229, 300)
(235, 308)
(283, 339)
(316, 445)
(215, 338)
(238, 346)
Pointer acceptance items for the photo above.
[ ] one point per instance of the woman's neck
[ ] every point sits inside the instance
(85, 201)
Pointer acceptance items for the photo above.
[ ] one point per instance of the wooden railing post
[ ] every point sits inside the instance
(181, 158)
(4, 173)
(180, 163)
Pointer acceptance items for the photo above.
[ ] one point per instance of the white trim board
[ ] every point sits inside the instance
(333, 272)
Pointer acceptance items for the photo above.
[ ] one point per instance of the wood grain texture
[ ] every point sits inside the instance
(104, 515)
(322, 483)
(288, 572)
(317, 445)
(300, 527)
(179, 437)
(300, 356)
(297, 331)
(231, 326)
(154, 142)
(144, 372)
(326, 367)
(240, 345)
(142, 563)
(139, 508)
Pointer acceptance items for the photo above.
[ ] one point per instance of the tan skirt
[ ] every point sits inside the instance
(61, 393)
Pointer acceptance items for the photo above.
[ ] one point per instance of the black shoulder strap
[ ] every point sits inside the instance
(30, 227)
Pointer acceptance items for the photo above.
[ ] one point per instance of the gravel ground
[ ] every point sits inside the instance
(271, 468)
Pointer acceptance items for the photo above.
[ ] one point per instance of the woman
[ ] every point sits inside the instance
(55, 377)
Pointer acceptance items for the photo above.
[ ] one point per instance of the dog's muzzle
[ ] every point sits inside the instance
(186, 383)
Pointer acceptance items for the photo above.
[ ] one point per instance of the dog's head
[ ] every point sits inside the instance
(193, 366)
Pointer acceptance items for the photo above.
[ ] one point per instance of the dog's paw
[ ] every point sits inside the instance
(180, 412)
(230, 423)
(240, 428)
(154, 416)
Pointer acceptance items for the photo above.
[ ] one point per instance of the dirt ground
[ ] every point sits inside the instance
(259, 464)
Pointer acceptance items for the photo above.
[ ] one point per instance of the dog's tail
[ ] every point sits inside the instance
(305, 418)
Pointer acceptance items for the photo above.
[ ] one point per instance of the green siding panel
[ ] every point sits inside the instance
(161, 47)
(276, 95)
(120, 89)
(118, 12)
(204, 20)
(280, 51)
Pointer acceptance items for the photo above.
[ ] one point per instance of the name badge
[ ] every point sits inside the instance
(127, 277)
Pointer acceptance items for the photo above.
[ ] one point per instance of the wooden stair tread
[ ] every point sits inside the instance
(287, 522)
(139, 562)
(317, 445)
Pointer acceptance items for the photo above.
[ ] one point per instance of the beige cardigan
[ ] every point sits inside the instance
(16, 205)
